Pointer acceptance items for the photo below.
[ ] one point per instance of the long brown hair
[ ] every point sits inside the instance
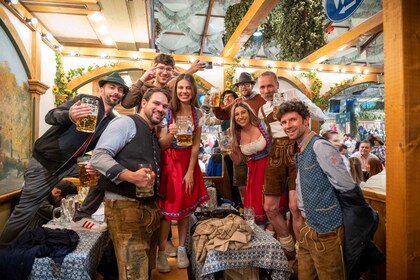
(235, 128)
(356, 169)
(175, 103)
(375, 166)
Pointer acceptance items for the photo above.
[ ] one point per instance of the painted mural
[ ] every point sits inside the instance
(14, 117)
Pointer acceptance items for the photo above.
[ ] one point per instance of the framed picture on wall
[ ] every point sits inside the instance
(15, 124)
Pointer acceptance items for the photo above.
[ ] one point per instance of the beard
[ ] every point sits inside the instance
(109, 101)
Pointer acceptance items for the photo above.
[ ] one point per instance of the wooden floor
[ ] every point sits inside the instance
(175, 274)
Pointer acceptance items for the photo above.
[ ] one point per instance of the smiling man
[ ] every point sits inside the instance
(133, 222)
(157, 76)
(321, 171)
(55, 153)
(281, 167)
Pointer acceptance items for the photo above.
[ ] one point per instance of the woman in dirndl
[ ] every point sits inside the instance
(182, 185)
(251, 140)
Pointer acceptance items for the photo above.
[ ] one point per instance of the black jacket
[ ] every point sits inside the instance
(56, 147)
(360, 224)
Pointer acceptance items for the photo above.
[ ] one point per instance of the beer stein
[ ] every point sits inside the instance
(184, 135)
(225, 143)
(88, 124)
(86, 179)
(214, 97)
(145, 190)
(278, 98)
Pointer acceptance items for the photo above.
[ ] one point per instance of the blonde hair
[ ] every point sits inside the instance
(356, 170)
(235, 128)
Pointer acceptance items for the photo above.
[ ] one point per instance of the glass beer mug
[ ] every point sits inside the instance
(184, 135)
(278, 98)
(88, 124)
(225, 143)
(214, 97)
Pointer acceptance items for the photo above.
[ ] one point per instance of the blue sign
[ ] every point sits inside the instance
(339, 10)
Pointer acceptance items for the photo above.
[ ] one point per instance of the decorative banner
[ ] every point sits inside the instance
(339, 10)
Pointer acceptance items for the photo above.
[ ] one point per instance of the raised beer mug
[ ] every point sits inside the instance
(214, 97)
(88, 124)
(184, 134)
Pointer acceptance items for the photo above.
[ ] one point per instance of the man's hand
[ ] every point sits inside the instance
(150, 74)
(79, 111)
(196, 66)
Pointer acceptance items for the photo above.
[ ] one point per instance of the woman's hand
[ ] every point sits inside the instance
(189, 182)
(172, 129)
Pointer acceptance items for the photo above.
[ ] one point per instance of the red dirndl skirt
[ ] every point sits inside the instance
(254, 188)
(177, 203)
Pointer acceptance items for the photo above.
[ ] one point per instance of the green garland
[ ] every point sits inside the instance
(315, 85)
(301, 28)
(371, 115)
(59, 88)
(62, 78)
(295, 26)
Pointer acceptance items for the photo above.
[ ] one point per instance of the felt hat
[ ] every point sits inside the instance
(114, 77)
(245, 78)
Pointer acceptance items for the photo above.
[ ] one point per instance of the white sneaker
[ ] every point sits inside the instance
(162, 264)
(182, 260)
(89, 224)
(170, 249)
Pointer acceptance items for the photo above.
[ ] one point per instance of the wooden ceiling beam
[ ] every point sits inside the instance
(369, 27)
(60, 10)
(206, 27)
(185, 59)
(369, 41)
(256, 14)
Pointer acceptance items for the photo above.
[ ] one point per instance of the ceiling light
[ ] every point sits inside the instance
(257, 33)
(96, 16)
(365, 71)
(270, 64)
(245, 64)
(14, 2)
(219, 62)
(31, 20)
(296, 67)
(49, 36)
(102, 30)
(108, 41)
(320, 68)
(104, 55)
(343, 70)
(74, 53)
(192, 60)
(135, 56)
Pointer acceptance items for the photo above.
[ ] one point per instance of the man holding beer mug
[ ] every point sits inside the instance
(133, 217)
(55, 153)
(281, 166)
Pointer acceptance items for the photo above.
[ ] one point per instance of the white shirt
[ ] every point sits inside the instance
(276, 129)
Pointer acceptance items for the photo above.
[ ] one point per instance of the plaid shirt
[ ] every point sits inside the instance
(379, 151)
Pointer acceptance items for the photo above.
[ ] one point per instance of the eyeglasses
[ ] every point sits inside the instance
(167, 69)
(244, 84)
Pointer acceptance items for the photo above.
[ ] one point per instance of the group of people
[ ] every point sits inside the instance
(279, 161)
(366, 164)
